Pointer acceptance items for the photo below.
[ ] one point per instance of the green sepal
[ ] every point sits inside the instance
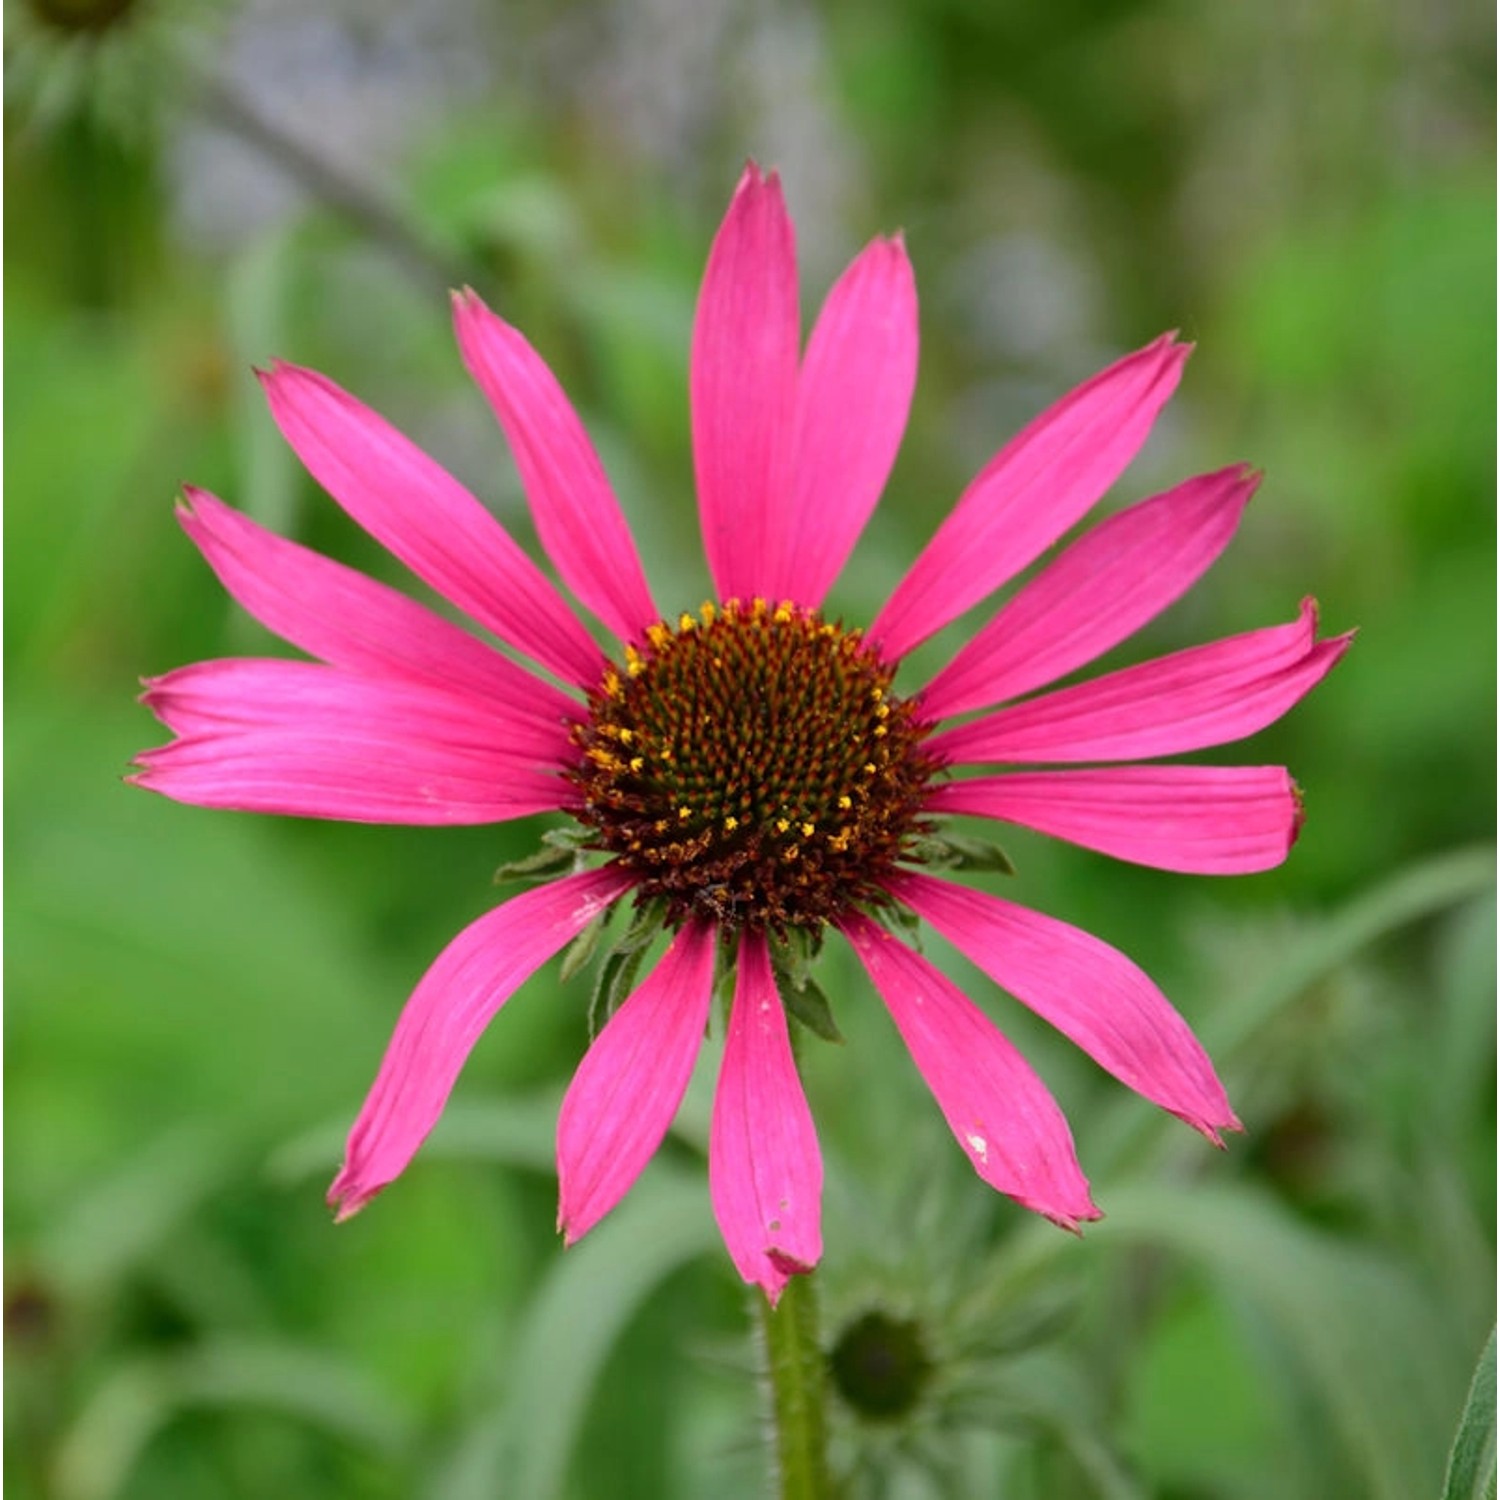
(622, 963)
(562, 848)
(649, 919)
(808, 1004)
(726, 975)
(957, 851)
(795, 954)
(583, 947)
(616, 980)
(904, 922)
(792, 958)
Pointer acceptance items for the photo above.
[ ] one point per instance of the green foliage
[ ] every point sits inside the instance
(197, 1000)
(1471, 1465)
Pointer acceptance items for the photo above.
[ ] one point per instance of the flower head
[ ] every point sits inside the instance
(751, 772)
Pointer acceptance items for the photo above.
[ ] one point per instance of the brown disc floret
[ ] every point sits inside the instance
(753, 766)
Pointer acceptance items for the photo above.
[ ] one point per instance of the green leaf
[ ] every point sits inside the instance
(1427, 888)
(1052, 1396)
(1463, 1038)
(137, 1400)
(1424, 889)
(517, 1132)
(256, 304)
(520, 1446)
(165, 964)
(110, 1230)
(1354, 1330)
(1471, 1464)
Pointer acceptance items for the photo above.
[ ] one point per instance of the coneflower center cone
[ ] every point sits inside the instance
(753, 766)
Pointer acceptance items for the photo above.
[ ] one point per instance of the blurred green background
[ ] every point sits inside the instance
(197, 1000)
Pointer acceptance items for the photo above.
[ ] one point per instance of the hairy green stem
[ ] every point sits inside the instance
(796, 1372)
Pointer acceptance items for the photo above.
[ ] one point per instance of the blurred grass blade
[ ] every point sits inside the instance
(1421, 891)
(1427, 888)
(1054, 1396)
(107, 1233)
(1356, 1331)
(99, 1453)
(1464, 1038)
(522, 1449)
(513, 1132)
(268, 479)
(1471, 1465)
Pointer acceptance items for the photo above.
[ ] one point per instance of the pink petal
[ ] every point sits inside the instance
(247, 693)
(1206, 695)
(352, 621)
(354, 773)
(765, 1171)
(999, 1110)
(417, 510)
(1107, 585)
(630, 1082)
(458, 996)
(577, 516)
(1031, 492)
(744, 385)
(1201, 820)
(1094, 995)
(853, 395)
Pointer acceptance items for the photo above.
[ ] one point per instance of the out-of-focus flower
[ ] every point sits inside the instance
(114, 62)
(749, 772)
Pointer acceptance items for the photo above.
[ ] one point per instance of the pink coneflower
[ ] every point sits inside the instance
(749, 772)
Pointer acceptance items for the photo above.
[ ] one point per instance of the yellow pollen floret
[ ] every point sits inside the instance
(633, 662)
(783, 615)
(657, 634)
(845, 803)
(683, 814)
(808, 830)
(782, 824)
(685, 622)
(730, 824)
(637, 764)
(612, 687)
(707, 613)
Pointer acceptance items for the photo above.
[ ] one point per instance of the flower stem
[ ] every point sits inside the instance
(795, 1367)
